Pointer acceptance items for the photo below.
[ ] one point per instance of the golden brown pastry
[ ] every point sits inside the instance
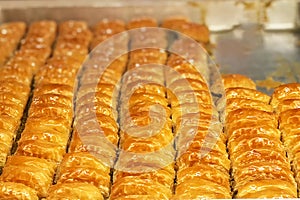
(267, 189)
(196, 31)
(238, 103)
(286, 91)
(10, 35)
(258, 157)
(17, 74)
(130, 185)
(33, 172)
(288, 104)
(74, 191)
(237, 80)
(11, 190)
(247, 94)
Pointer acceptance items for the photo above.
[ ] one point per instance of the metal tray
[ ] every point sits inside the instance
(258, 38)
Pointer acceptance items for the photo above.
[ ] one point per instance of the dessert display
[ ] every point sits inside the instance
(120, 110)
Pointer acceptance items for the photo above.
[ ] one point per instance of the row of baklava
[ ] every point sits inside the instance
(29, 173)
(145, 166)
(260, 168)
(16, 78)
(286, 102)
(10, 36)
(202, 161)
(84, 172)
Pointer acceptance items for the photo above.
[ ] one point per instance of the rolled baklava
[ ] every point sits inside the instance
(10, 35)
(16, 78)
(145, 167)
(92, 150)
(260, 168)
(285, 100)
(202, 161)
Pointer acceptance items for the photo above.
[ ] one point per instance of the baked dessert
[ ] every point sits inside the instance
(145, 167)
(92, 150)
(285, 101)
(50, 115)
(257, 155)
(202, 161)
(10, 35)
(17, 74)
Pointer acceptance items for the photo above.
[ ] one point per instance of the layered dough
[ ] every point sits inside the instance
(92, 150)
(145, 167)
(202, 160)
(17, 74)
(260, 168)
(45, 137)
(10, 35)
(285, 101)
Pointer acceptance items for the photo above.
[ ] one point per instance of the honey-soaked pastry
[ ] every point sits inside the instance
(52, 100)
(286, 91)
(71, 191)
(237, 80)
(251, 114)
(11, 190)
(267, 189)
(11, 109)
(288, 104)
(246, 93)
(199, 142)
(83, 159)
(44, 133)
(58, 89)
(96, 144)
(289, 117)
(106, 29)
(57, 110)
(237, 103)
(10, 35)
(85, 174)
(33, 172)
(178, 98)
(99, 107)
(218, 160)
(130, 185)
(142, 97)
(10, 86)
(196, 31)
(162, 176)
(41, 149)
(250, 131)
(6, 139)
(191, 189)
(187, 84)
(98, 99)
(9, 123)
(40, 34)
(253, 142)
(105, 88)
(203, 172)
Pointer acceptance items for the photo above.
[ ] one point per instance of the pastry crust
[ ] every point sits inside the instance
(289, 117)
(33, 172)
(10, 35)
(131, 186)
(237, 80)
(267, 189)
(11, 190)
(74, 191)
(237, 103)
(286, 91)
(246, 93)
